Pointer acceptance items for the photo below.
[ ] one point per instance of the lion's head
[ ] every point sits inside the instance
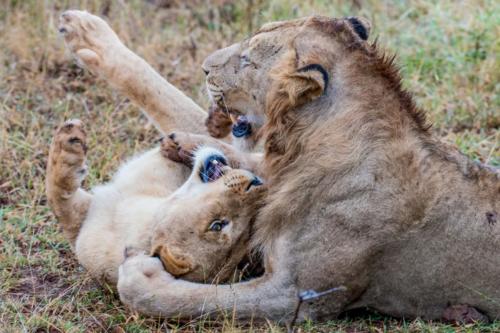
(283, 65)
(204, 232)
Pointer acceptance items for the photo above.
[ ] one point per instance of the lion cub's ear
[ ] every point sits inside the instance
(361, 26)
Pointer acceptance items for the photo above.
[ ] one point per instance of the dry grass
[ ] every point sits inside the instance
(449, 54)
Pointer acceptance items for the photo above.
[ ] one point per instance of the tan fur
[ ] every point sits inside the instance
(361, 193)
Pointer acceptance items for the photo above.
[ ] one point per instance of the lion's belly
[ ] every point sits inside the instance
(150, 174)
(113, 223)
(122, 212)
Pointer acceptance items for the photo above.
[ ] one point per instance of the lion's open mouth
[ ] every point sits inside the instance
(221, 118)
(213, 168)
(242, 127)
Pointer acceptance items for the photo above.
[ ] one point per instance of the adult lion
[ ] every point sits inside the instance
(362, 194)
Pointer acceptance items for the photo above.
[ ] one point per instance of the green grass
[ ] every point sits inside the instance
(449, 56)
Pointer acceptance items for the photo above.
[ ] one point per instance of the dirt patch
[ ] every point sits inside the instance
(34, 282)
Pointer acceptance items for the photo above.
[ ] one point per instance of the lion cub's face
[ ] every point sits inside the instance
(204, 232)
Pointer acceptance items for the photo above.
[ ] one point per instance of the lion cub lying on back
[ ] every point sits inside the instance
(197, 223)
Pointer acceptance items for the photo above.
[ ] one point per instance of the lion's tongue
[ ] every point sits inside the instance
(215, 171)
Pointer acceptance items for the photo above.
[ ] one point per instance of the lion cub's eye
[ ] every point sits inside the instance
(218, 225)
(244, 61)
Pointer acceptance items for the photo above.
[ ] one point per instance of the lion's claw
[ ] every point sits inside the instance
(173, 150)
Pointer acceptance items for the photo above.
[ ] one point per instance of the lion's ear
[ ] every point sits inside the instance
(298, 78)
(317, 79)
(361, 26)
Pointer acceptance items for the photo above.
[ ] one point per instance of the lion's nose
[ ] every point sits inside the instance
(255, 182)
(252, 182)
(241, 181)
(175, 264)
(205, 66)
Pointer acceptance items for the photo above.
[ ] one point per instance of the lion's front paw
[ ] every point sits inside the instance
(140, 266)
(89, 38)
(218, 122)
(140, 279)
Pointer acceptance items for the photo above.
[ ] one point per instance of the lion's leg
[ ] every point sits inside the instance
(144, 285)
(96, 46)
(65, 172)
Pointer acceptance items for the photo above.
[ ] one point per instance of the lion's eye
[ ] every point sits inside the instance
(218, 225)
(244, 61)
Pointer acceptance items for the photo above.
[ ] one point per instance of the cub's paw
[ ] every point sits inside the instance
(179, 147)
(67, 166)
(218, 122)
(89, 38)
(71, 138)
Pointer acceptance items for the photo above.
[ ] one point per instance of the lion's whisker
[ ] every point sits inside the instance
(225, 105)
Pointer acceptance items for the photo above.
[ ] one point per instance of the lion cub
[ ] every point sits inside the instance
(197, 222)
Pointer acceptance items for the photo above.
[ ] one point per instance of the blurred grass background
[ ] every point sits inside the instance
(449, 53)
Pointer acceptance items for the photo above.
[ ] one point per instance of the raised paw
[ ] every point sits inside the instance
(179, 147)
(66, 167)
(71, 137)
(218, 122)
(89, 38)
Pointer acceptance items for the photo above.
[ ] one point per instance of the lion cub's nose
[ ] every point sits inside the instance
(175, 264)
(241, 181)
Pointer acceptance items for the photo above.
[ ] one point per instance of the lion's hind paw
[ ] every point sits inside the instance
(72, 138)
(67, 155)
(87, 37)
